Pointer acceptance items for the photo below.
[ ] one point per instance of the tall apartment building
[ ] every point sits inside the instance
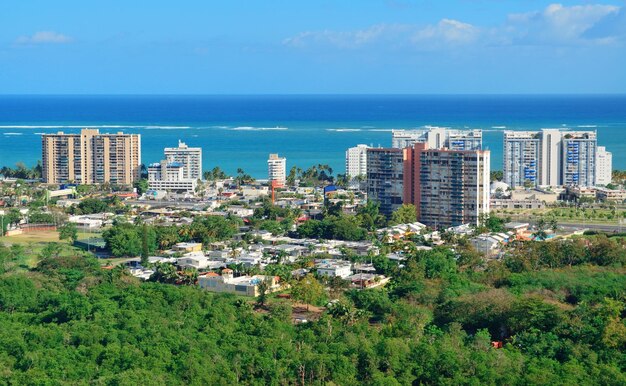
(604, 166)
(277, 169)
(447, 187)
(91, 157)
(385, 178)
(356, 161)
(189, 157)
(438, 137)
(170, 176)
(560, 158)
(521, 155)
(579, 158)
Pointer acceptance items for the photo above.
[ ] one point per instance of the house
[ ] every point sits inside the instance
(188, 247)
(334, 268)
(243, 285)
(491, 244)
(195, 260)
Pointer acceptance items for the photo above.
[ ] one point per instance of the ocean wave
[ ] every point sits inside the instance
(587, 126)
(382, 130)
(343, 130)
(163, 127)
(12, 133)
(92, 127)
(498, 127)
(250, 128)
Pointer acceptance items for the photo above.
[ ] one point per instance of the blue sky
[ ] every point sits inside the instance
(338, 46)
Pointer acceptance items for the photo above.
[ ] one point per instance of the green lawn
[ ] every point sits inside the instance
(34, 242)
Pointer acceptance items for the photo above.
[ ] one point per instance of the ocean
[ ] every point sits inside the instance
(241, 131)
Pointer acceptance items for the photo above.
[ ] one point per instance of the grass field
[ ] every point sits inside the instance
(34, 242)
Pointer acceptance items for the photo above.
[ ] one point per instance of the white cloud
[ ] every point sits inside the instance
(448, 30)
(391, 35)
(556, 25)
(44, 37)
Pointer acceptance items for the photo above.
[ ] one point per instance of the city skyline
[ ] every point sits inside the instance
(383, 47)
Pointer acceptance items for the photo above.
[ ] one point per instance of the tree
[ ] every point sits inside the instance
(263, 287)
(405, 214)
(308, 290)
(141, 186)
(145, 250)
(540, 230)
(68, 231)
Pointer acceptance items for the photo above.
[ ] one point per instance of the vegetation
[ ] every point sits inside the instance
(68, 321)
(21, 171)
(124, 239)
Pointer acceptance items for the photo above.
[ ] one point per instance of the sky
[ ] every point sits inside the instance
(311, 47)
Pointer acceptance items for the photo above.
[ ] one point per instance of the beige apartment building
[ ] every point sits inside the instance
(91, 157)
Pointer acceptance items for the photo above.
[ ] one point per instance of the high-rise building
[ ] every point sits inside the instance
(170, 176)
(447, 187)
(438, 137)
(277, 169)
(91, 157)
(579, 158)
(550, 157)
(385, 178)
(604, 166)
(189, 157)
(521, 155)
(356, 161)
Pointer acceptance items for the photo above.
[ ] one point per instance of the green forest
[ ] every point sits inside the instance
(557, 308)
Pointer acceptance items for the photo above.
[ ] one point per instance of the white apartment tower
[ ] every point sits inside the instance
(438, 138)
(550, 157)
(170, 176)
(189, 157)
(604, 166)
(579, 158)
(277, 169)
(356, 161)
(521, 155)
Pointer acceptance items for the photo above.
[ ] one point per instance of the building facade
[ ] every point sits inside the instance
(277, 169)
(447, 187)
(550, 157)
(604, 166)
(356, 161)
(189, 157)
(170, 176)
(437, 138)
(578, 163)
(385, 178)
(91, 158)
(521, 155)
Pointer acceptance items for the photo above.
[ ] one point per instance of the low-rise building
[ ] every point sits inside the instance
(334, 268)
(188, 247)
(243, 285)
(604, 194)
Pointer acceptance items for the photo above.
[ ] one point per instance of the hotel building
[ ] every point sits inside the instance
(448, 187)
(277, 169)
(356, 161)
(91, 158)
(385, 178)
(189, 157)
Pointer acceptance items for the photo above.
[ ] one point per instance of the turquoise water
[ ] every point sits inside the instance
(240, 131)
